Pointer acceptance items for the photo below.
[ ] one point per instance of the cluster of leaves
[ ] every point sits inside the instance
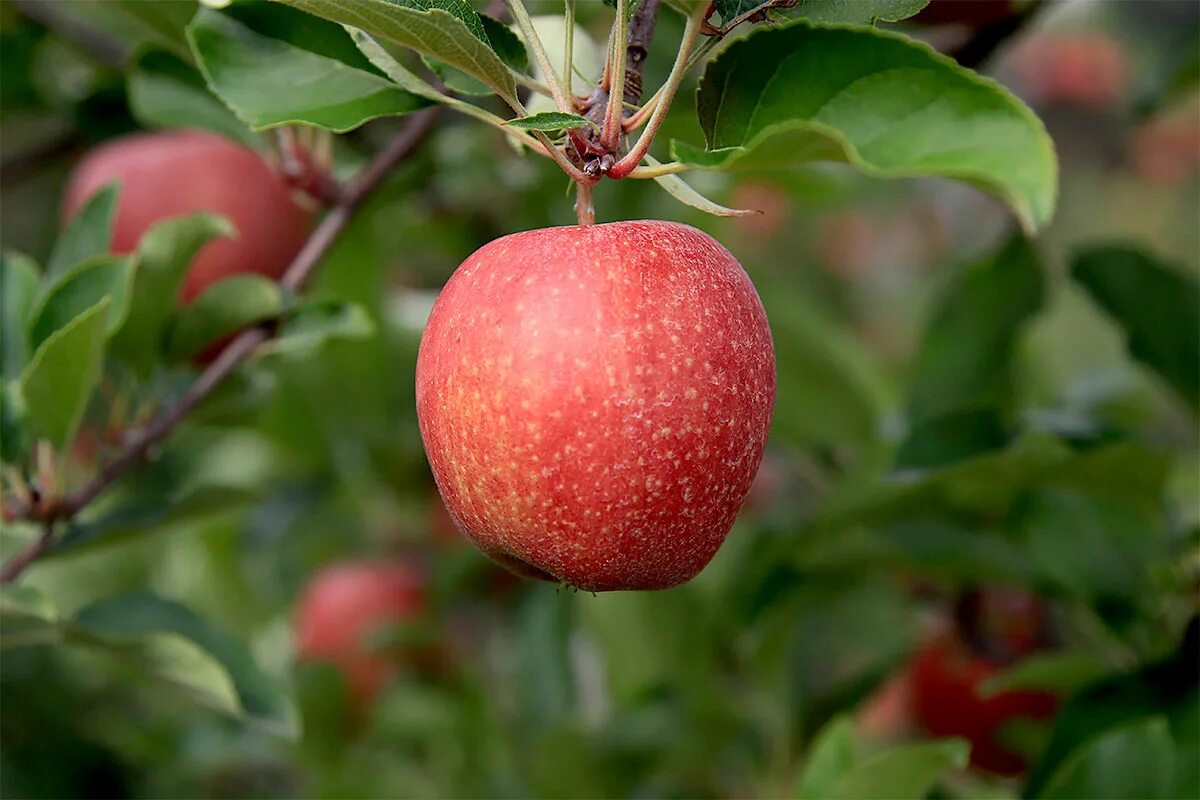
(61, 323)
(825, 86)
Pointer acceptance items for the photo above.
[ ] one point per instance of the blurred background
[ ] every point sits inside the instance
(883, 568)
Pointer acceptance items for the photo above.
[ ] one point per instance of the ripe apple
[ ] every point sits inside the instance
(1087, 70)
(168, 174)
(594, 401)
(344, 605)
(948, 701)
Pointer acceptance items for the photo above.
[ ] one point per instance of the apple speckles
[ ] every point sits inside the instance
(579, 351)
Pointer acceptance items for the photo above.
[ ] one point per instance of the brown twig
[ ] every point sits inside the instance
(138, 443)
(23, 559)
(637, 45)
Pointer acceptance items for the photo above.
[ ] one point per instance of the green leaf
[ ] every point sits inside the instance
(830, 759)
(834, 390)
(87, 235)
(855, 12)
(58, 382)
(26, 617)
(543, 663)
(1110, 550)
(1061, 673)
(312, 325)
(684, 193)
(80, 289)
(141, 618)
(433, 33)
(504, 41)
(551, 122)
(957, 435)
(163, 256)
(24, 600)
(164, 23)
(909, 771)
(225, 308)
(461, 9)
(14, 423)
(207, 472)
(877, 100)
(1134, 760)
(1168, 687)
(166, 92)
(992, 483)
(18, 290)
(965, 358)
(257, 64)
(1157, 304)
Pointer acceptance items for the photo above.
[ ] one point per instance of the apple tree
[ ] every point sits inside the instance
(793, 311)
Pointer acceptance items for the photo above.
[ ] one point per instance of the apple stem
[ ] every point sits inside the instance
(611, 134)
(630, 160)
(585, 209)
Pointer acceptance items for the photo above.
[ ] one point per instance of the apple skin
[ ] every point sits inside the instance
(172, 173)
(340, 608)
(594, 401)
(947, 701)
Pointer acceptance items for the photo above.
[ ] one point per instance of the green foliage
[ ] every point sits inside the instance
(167, 92)
(867, 12)
(58, 383)
(1158, 306)
(550, 122)
(87, 235)
(225, 307)
(161, 262)
(78, 290)
(18, 288)
(879, 101)
(432, 33)
(255, 60)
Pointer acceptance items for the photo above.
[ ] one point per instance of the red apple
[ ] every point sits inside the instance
(344, 605)
(594, 401)
(1088, 70)
(168, 174)
(948, 701)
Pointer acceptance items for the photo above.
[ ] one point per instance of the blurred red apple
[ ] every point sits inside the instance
(594, 401)
(1166, 148)
(772, 203)
(1089, 70)
(948, 701)
(168, 174)
(344, 605)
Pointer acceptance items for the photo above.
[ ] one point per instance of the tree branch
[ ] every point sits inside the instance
(138, 443)
(637, 46)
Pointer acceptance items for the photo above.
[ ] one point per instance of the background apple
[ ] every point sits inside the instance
(344, 606)
(168, 174)
(595, 401)
(948, 701)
